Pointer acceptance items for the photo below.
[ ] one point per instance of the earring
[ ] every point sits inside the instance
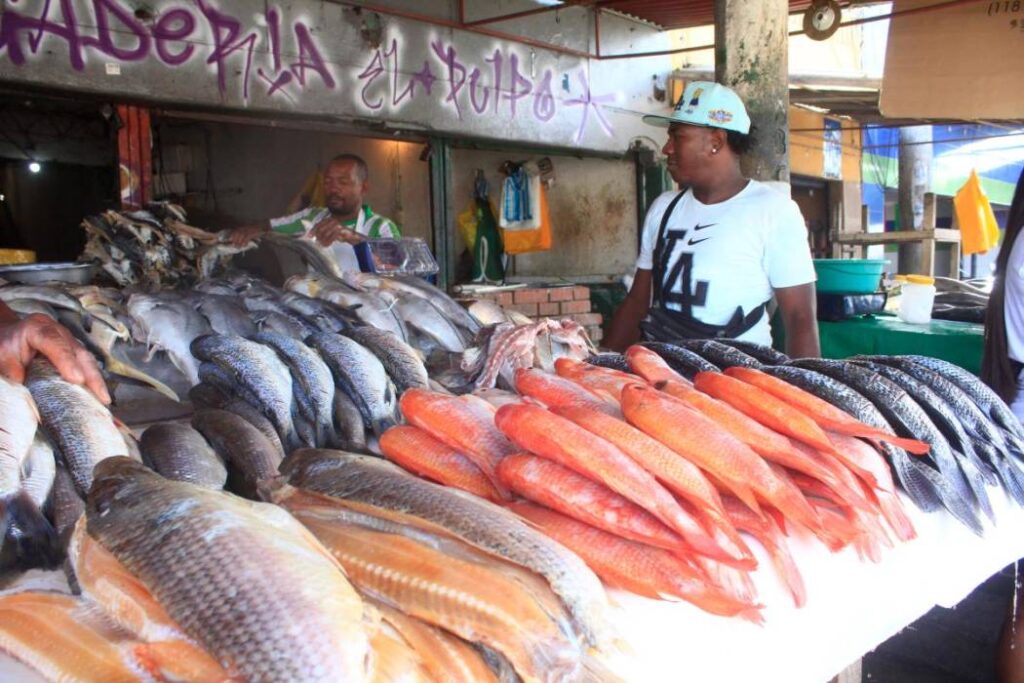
(714, 150)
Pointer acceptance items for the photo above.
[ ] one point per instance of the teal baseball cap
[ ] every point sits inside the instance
(707, 104)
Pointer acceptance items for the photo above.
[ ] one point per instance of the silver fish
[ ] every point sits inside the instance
(79, 425)
(348, 423)
(257, 370)
(372, 309)
(282, 323)
(422, 316)
(28, 539)
(373, 481)
(359, 374)
(40, 470)
(226, 314)
(178, 452)
(399, 359)
(312, 381)
(244, 579)
(415, 286)
(318, 258)
(168, 324)
(249, 455)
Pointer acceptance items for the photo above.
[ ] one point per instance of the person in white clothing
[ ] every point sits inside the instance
(1003, 358)
(714, 255)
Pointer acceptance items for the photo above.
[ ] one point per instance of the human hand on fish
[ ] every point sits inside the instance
(329, 230)
(244, 234)
(21, 340)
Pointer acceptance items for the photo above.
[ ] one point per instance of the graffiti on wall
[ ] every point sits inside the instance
(250, 58)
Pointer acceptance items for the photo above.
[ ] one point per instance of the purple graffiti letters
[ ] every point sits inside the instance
(588, 101)
(14, 24)
(371, 73)
(309, 58)
(226, 31)
(543, 100)
(116, 34)
(387, 59)
(521, 86)
(174, 26)
(105, 10)
(456, 73)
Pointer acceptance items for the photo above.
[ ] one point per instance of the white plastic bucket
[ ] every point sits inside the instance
(916, 299)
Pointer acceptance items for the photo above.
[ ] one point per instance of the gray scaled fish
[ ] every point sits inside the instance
(399, 359)
(249, 455)
(312, 382)
(721, 355)
(917, 479)
(244, 579)
(493, 529)
(28, 538)
(169, 324)
(178, 452)
(907, 417)
(79, 425)
(361, 375)
(262, 378)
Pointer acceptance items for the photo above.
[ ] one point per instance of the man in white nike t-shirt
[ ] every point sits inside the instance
(713, 256)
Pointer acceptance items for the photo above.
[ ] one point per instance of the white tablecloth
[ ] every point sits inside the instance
(852, 606)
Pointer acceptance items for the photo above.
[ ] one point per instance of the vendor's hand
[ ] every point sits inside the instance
(329, 230)
(21, 340)
(244, 234)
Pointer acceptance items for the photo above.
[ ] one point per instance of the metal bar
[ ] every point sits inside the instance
(447, 23)
(514, 15)
(900, 13)
(145, 157)
(462, 12)
(441, 210)
(597, 31)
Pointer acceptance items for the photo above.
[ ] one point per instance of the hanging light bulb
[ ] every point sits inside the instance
(35, 167)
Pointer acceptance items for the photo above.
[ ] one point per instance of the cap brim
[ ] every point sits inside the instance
(659, 121)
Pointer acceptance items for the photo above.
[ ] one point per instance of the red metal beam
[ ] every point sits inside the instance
(134, 153)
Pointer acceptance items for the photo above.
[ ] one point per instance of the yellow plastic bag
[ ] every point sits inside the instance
(466, 221)
(979, 231)
(525, 241)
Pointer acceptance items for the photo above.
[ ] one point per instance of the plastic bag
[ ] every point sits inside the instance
(539, 239)
(979, 231)
(466, 222)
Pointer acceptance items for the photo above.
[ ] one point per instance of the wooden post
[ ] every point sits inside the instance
(752, 57)
(135, 156)
(915, 167)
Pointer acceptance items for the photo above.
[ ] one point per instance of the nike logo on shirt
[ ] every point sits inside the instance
(693, 241)
(701, 227)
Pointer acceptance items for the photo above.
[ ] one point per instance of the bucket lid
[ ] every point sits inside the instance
(920, 280)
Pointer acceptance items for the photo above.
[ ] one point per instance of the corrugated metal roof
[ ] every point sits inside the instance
(674, 14)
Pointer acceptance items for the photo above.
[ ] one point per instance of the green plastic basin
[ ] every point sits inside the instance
(849, 276)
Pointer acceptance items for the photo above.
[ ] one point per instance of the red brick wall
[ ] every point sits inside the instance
(552, 302)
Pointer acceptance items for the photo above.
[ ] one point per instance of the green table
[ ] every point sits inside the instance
(956, 342)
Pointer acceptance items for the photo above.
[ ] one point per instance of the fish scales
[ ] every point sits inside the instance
(477, 522)
(179, 452)
(81, 427)
(399, 359)
(258, 371)
(244, 579)
(900, 409)
(362, 376)
(311, 377)
(251, 458)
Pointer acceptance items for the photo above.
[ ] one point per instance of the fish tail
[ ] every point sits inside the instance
(895, 516)
(976, 482)
(28, 537)
(915, 481)
(787, 570)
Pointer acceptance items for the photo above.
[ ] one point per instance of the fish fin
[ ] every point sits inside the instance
(915, 482)
(1011, 480)
(976, 482)
(28, 537)
(118, 367)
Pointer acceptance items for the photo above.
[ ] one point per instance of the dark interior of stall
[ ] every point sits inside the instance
(58, 160)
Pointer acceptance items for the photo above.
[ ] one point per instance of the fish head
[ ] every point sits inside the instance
(116, 481)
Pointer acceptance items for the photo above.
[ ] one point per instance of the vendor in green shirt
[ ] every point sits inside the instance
(345, 218)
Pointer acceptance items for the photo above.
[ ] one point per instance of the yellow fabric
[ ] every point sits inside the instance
(979, 231)
(12, 257)
(466, 221)
(524, 241)
(311, 194)
(920, 279)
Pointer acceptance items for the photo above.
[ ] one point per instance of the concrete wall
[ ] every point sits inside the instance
(593, 213)
(320, 59)
(255, 171)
